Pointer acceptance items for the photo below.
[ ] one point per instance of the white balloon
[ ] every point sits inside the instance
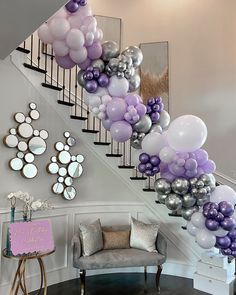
(59, 27)
(101, 116)
(78, 56)
(135, 157)
(75, 21)
(62, 12)
(75, 39)
(187, 133)
(83, 11)
(164, 119)
(223, 193)
(44, 34)
(118, 86)
(220, 232)
(94, 101)
(106, 99)
(101, 91)
(167, 154)
(89, 37)
(205, 239)
(60, 48)
(95, 110)
(198, 220)
(153, 143)
(192, 230)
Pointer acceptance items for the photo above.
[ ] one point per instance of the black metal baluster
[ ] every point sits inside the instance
(58, 72)
(63, 85)
(31, 49)
(39, 53)
(51, 58)
(70, 85)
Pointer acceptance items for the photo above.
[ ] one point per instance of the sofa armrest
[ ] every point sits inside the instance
(161, 244)
(76, 247)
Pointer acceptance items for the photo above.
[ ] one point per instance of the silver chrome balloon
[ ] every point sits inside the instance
(188, 201)
(164, 119)
(180, 186)
(136, 143)
(98, 63)
(199, 184)
(134, 82)
(202, 192)
(188, 212)
(113, 64)
(80, 78)
(194, 192)
(173, 202)
(193, 181)
(110, 49)
(144, 125)
(161, 198)
(162, 186)
(156, 128)
(201, 202)
(135, 53)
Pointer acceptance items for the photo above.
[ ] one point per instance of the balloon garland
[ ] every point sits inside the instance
(186, 184)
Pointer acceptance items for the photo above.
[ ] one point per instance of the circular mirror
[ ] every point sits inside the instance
(80, 158)
(58, 188)
(69, 193)
(43, 134)
(36, 132)
(69, 181)
(28, 120)
(22, 146)
(53, 159)
(16, 164)
(32, 106)
(34, 114)
(20, 155)
(73, 158)
(37, 145)
(29, 171)
(75, 170)
(59, 146)
(29, 158)
(71, 141)
(60, 179)
(67, 134)
(53, 168)
(66, 148)
(62, 171)
(13, 131)
(64, 157)
(19, 117)
(25, 130)
(11, 141)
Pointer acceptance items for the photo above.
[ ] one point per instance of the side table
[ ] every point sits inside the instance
(19, 278)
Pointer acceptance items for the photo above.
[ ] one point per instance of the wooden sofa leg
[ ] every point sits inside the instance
(82, 282)
(158, 275)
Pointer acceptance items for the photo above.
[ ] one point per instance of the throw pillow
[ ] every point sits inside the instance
(143, 236)
(116, 239)
(91, 238)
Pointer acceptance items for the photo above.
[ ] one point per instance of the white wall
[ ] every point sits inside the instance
(202, 47)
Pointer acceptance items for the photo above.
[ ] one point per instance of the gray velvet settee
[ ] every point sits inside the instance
(119, 258)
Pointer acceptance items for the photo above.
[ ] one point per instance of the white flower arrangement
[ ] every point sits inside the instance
(29, 201)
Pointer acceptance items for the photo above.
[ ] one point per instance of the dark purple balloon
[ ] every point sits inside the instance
(223, 242)
(161, 106)
(158, 99)
(232, 234)
(151, 101)
(154, 160)
(149, 173)
(211, 224)
(226, 208)
(220, 217)
(226, 252)
(149, 166)
(214, 206)
(103, 80)
(206, 206)
(89, 69)
(155, 107)
(88, 75)
(155, 117)
(96, 73)
(149, 109)
(72, 6)
(82, 2)
(212, 213)
(144, 158)
(205, 213)
(142, 168)
(155, 170)
(228, 223)
(233, 246)
(91, 86)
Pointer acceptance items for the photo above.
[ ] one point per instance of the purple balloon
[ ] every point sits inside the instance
(149, 173)
(233, 253)
(233, 246)
(158, 99)
(96, 73)
(149, 166)
(155, 170)
(142, 168)
(206, 213)
(151, 101)
(85, 64)
(191, 164)
(212, 213)
(91, 86)
(103, 80)
(223, 242)
(141, 109)
(211, 224)
(209, 166)
(232, 234)
(154, 160)
(65, 61)
(226, 208)
(155, 108)
(155, 117)
(82, 2)
(161, 106)
(144, 158)
(132, 99)
(228, 223)
(176, 170)
(106, 123)
(220, 217)
(206, 206)
(149, 109)
(214, 206)
(95, 50)
(116, 109)
(121, 131)
(88, 75)
(226, 252)
(201, 156)
(72, 6)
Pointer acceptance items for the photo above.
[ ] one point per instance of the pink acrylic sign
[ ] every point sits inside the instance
(29, 237)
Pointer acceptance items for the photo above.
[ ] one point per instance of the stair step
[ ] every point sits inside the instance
(184, 227)
(90, 131)
(24, 50)
(126, 167)
(51, 86)
(34, 68)
(66, 103)
(114, 155)
(157, 202)
(148, 190)
(78, 118)
(101, 143)
(174, 214)
(138, 178)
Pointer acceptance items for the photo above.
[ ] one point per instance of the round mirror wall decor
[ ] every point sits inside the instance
(67, 167)
(29, 142)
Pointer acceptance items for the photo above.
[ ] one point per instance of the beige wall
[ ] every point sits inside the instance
(202, 55)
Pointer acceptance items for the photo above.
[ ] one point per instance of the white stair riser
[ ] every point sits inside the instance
(215, 259)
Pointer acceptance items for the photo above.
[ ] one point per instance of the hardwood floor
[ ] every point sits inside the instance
(126, 284)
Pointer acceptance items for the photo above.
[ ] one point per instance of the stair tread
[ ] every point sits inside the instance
(126, 166)
(90, 130)
(148, 189)
(22, 49)
(28, 66)
(51, 86)
(138, 178)
(78, 118)
(66, 103)
(174, 215)
(114, 155)
(101, 143)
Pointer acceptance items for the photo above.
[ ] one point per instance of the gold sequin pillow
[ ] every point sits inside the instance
(143, 236)
(116, 239)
